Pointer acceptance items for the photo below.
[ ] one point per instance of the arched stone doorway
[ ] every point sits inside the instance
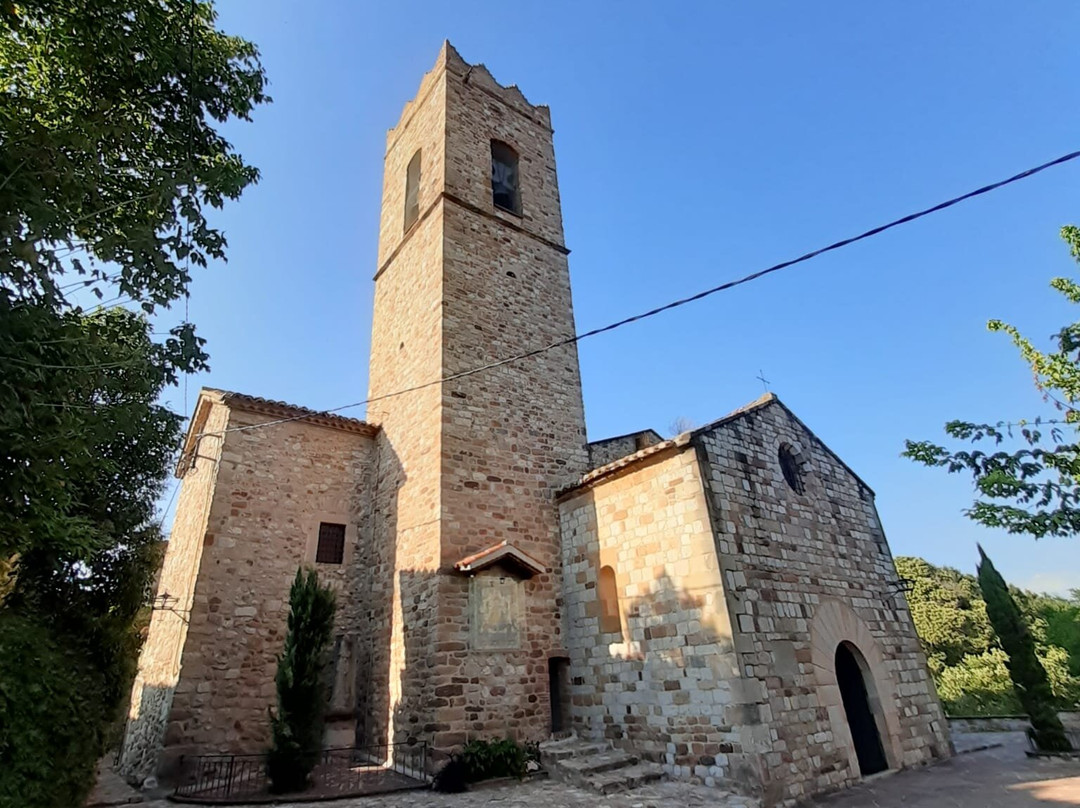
(850, 676)
(835, 624)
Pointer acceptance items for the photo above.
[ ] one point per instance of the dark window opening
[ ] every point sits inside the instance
(504, 177)
(789, 465)
(412, 191)
(331, 548)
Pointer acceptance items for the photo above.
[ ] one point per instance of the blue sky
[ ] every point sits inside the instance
(697, 142)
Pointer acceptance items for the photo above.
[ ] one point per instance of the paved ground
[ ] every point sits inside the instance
(538, 794)
(1002, 777)
(110, 788)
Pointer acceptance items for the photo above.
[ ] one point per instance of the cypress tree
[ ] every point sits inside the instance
(1028, 675)
(296, 727)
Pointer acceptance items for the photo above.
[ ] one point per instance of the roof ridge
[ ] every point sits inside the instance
(274, 407)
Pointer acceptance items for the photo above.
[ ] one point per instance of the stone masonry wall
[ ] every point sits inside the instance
(469, 463)
(406, 339)
(799, 568)
(159, 662)
(274, 486)
(602, 452)
(514, 435)
(661, 687)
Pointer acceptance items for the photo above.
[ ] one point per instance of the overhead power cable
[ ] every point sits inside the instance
(911, 217)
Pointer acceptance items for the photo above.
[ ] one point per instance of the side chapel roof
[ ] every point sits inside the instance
(685, 438)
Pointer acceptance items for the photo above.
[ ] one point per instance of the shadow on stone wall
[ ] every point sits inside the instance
(669, 689)
(159, 732)
(145, 728)
(373, 692)
(668, 686)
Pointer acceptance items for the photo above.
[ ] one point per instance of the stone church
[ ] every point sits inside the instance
(723, 603)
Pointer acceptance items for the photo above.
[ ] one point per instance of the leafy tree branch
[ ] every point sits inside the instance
(1027, 479)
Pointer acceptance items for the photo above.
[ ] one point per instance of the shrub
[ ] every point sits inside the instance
(296, 727)
(54, 711)
(68, 651)
(487, 759)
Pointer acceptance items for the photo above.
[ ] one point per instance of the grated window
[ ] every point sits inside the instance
(331, 544)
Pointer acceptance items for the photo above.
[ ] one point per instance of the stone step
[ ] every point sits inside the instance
(595, 764)
(562, 750)
(624, 779)
(566, 740)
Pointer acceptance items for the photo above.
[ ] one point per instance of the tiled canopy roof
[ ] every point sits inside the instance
(505, 554)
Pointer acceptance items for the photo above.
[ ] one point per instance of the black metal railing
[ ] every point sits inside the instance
(347, 771)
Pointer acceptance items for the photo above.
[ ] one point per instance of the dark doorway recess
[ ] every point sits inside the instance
(860, 716)
(559, 690)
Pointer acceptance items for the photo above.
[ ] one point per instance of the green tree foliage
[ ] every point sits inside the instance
(948, 611)
(1063, 682)
(1029, 678)
(301, 694)
(1060, 622)
(1028, 480)
(965, 659)
(110, 160)
(81, 593)
(84, 445)
(978, 685)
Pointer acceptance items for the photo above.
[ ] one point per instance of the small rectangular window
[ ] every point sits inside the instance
(412, 191)
(331, 548)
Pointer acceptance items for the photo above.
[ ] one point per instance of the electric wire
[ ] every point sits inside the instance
(911, 217)
(574, 339)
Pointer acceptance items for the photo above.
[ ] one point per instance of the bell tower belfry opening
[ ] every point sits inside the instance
(472, 269)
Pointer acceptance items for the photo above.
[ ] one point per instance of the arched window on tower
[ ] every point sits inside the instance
(412, 191)
(608, 592)
(504, 177)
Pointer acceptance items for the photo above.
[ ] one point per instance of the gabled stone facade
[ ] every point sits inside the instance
(712, 602)
(249, 511)
(736, 588)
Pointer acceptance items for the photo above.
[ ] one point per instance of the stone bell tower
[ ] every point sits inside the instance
(471, 269)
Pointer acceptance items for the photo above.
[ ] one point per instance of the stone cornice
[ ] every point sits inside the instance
(469, 206)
